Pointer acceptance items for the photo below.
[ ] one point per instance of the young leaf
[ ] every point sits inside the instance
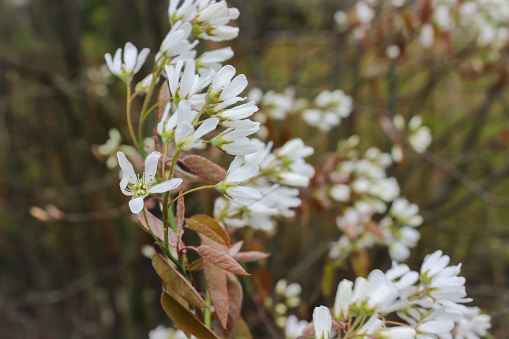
(208, 227)
(164, 93)
(156, 225)
(218, 290)
(250, 256)
(185, 320)
(235, 248)
(176, 282)
(221, 260)
(180, 213)
(235, 301)
(218, 246)
(204, 168)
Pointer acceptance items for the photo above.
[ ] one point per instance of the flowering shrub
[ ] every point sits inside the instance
(200, 114)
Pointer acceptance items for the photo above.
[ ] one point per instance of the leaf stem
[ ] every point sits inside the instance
(128, 109)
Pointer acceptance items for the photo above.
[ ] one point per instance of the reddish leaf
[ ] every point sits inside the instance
(176, 282)
(156, 225)
(184, 319)
(221, 260)
(164, 93)
(180, 213)
(208, 227)
(220, 247)
(195, 265)
(204, 168)
(235, 301)
(250, 256)
(218, 290)
(236, 248)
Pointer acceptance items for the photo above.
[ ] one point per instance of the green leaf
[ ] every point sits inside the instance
(242, 330)
(218, 290)
(184, 319)
(176, 282)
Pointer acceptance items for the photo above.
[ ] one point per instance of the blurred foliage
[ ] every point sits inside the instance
(81, 277)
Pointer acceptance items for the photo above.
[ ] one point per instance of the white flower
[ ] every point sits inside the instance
(235, 141)
(427, 36)
(161, 332)
(189, 84)
(322, 322)
(223, 91)
(397, 332)
(176, 42)
(344, 298)
(473, 325)
(211, 60)
(139, 188)
(186, 11)
(132, 61)
(443, 282)
(238, 173)
(211, 23)
(144, 85)
(294, 327)
(186, 137)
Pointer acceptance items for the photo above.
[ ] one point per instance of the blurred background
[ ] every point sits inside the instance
(70, 254)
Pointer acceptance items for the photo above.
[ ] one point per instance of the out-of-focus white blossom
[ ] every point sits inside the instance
(330, 108)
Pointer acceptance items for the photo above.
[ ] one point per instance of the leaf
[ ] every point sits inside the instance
(208, 227)
(218, 290)
(164, 93)
(235, 301)
(176, 282)
(204, 168)
(180, 213)
(220, 247)
(250, 256)
(235, 248)
(195, 265)
(221, 260)
(185, 320)
(329, 278)
(156, 225)
(242, 330)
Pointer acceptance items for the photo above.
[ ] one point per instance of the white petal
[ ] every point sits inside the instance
(141, 59)
(127, 168)
(166, 186)
(117, 62)
(136, 205)
(182, 131)
(236, 163)
(222, 78)
(235, 88)
(188, 78)
(130, 56)
(242, 173)
(207, 126)
(151, 167)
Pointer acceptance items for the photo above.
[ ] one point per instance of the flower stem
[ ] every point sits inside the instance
(190, 191)
(128, 108)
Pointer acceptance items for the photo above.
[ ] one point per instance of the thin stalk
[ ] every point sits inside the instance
(148, 96)
(128, 108)
(207, 315)
(190, 191)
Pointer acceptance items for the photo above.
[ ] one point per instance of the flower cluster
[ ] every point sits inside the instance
(282, 172)
(477, 22)
(359, 186)
(418, 136)
(430, 302)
